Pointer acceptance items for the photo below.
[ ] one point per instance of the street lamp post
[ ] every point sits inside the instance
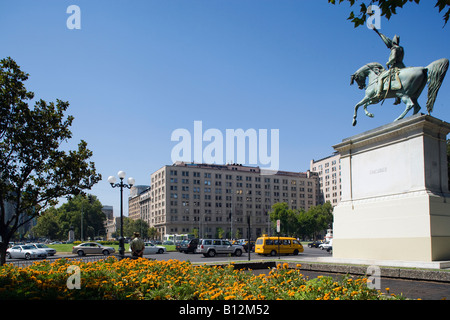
(121, 185)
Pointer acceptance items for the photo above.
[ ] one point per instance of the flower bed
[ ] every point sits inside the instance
(173, 279)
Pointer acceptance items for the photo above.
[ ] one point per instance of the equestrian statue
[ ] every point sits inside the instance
(398, 81)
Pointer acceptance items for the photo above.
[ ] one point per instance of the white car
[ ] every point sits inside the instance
(150, 248)
(326, 245)
(25, 252)
(50, 251)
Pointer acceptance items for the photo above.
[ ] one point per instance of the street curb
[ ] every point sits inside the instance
(359, 270)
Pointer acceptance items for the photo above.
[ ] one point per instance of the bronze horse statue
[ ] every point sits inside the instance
(409, 83)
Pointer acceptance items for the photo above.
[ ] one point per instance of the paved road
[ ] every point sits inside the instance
(308, 253)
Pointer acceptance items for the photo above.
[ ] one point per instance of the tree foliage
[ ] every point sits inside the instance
(55, 223)
(388, 8)
(34, 170)
(288, 218)
(300, 222)
(131, 226)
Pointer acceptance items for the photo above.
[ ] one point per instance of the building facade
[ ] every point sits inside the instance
(210, 199)
(108, 212)
(134, 206)
(329, 172)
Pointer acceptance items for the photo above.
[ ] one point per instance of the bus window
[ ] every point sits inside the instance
(269, 242)
(287, 242)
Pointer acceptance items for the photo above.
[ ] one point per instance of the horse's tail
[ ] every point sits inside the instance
(436, 74)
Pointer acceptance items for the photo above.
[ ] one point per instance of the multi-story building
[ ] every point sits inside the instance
(111, 226)
(145, 204)
(329, 171)
(134, 206)
(213, 198)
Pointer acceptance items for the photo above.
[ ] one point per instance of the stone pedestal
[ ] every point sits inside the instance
(395, 201)
(71, 235)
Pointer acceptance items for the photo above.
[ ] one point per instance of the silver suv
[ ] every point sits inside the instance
(211, 247)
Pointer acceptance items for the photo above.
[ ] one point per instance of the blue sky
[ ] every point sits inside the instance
(138, 70)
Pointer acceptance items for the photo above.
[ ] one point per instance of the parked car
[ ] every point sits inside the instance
(211, 247)
(315, 244)
(92, 248)
(50, 251)
(244, 243)
(326, 245)
(150, 248)
(25, 252)
(189, 246)
(179, 243)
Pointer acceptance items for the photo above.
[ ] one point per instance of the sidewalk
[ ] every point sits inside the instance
(389, 269)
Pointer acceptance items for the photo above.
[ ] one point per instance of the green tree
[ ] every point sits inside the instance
(128, 228)
(47, 224)
(288, 218)
(388, 8)
(34, 170)
(153, 233)
(301, 222)
(306, 224)
(142, 227)
(70, 214)
(131, 226)
(321, 217)
(220, 233)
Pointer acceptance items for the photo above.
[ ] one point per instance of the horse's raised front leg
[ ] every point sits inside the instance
(359, 104)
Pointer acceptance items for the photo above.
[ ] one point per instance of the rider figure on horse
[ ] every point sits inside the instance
(395, 59)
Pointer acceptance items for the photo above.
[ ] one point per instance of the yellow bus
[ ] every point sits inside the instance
(271, 245)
